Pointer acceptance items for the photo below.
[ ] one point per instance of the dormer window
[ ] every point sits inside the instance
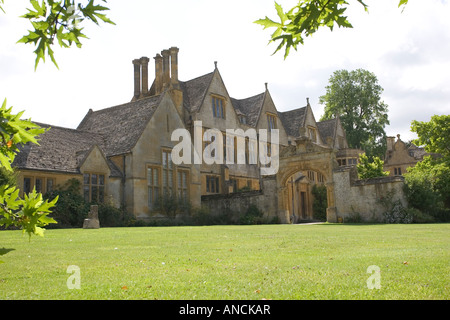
(218, 107)
(243, 119)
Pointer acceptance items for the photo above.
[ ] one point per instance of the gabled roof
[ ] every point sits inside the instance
(250, 107)
(293, 120)
(121, 125)
(194, 91)
(59, 149)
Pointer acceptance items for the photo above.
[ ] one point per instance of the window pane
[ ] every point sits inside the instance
(38, 185)
(101, 180)
(49, 185)
(169, 160)
(86, 193)
(155, 177)
(150, 176)
(27, 185)
(94, 179)
(86, 178)
(164, 160)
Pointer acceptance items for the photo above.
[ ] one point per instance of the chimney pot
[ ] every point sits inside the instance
(144, 64)
(166, 67)
(137, 78)
(158, 74)
(174, 65)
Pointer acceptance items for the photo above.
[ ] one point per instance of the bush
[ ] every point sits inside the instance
(252, 216)
(71, 209)
(320, 203)
(110, 216)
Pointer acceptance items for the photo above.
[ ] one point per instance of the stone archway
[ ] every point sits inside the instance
(297, 161)
(300, 197)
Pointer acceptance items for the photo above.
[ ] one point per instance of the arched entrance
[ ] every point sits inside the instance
(301, 169)
(300, 198)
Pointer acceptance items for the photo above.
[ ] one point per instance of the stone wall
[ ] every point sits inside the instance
(236, 204)
(360, 199)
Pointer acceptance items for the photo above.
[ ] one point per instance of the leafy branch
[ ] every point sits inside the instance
(31, 212)
(304, 19)
(59, 20)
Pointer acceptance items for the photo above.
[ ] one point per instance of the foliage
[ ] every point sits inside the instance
(306, 18)
(428, 182)
(320, 203)
(30, 213)
(369, 170)
(170, 205)
(355, 96)
(61, 19)
(427, 188)
(8, 177)
(251, 216)
(14, 132)
(435, 135)
(71, 209)
(111, 216)
(394, 212)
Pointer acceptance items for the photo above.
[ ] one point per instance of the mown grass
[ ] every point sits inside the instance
(278, 262)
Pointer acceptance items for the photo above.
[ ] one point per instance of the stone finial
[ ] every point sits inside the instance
(215, 64)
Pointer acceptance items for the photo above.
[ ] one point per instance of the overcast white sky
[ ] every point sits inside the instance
(409, 52)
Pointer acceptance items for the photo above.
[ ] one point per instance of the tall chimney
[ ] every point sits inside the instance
(174, 65)
(137, 78)
(166, 68)
(144, 63)
(158, 74)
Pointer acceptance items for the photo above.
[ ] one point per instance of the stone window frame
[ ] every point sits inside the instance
(271, 121)
(218, 110)
(212, 184)
(167, 172)
(152, 187)
(90, 185)
(45, 187)
(180, 189)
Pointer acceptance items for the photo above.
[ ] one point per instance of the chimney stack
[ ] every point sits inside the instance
(137, 78)
(166, 68)
(158, 74)
(144, 65)
(174, 66)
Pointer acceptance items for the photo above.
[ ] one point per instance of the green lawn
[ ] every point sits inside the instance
(276, 262)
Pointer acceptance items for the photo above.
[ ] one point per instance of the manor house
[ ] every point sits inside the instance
(123, 154)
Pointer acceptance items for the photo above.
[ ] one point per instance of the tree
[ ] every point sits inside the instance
(307, 17)
(60, 20)
(428, 182)
(435, 135)
(370, 169)
(355, 97)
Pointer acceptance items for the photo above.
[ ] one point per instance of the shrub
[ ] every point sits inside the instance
(320, 203)
(252, 216)
(71, 209)
(368, 170)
